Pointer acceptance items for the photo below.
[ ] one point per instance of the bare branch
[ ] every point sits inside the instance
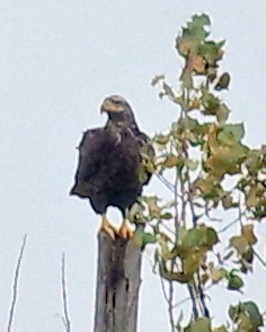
(188, 298)
(167, 183)
(259, 258)
(194, 301)
(15, 286)
(202, 298)
(229, 225)
(170, 303)
(66, 318)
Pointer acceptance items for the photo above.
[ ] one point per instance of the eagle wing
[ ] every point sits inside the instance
(111, 168)
(147, 154)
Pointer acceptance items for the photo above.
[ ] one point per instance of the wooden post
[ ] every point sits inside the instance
(118, 283)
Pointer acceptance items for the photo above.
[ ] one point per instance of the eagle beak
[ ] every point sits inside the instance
(110, 107)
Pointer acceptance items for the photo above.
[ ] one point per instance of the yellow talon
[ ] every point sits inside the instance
(125, 230)
(108, 228)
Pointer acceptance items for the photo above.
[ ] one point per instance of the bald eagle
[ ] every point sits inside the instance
(112, 164)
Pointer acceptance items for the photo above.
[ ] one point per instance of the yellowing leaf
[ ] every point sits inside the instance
(196, 63)
(170, 161)
(239, 243)
(220, 329)
(161, 139)
(209, 187)
(248, 233)
(217, 274)
(192, 262)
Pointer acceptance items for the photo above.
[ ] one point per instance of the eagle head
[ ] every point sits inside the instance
(118, 109)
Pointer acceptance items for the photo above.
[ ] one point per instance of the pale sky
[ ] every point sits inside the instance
(58, 60)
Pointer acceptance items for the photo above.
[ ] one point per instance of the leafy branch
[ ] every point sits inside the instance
(208, 170)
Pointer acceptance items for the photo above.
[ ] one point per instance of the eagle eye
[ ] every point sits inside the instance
(116, 101)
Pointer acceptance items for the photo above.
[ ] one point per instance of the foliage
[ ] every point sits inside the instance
(203, 161)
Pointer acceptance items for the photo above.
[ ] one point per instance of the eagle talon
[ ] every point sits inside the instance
(125, 231)
(108, 228)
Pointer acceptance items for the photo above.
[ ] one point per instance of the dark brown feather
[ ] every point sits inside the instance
(110, 165)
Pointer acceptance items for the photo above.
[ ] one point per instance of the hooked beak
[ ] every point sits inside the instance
(109, 107)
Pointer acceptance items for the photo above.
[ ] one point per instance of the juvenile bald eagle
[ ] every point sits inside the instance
(111, 169)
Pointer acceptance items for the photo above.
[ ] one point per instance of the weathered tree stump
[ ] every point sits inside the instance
(118, 283)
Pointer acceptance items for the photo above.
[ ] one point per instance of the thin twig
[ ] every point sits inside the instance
(176, 204)
(15, 285)
(194, 301)
(164, 290)
(167, 183)
(188, 298)
(183, 201)
(190, 200)
(202, 297)
(171, 299)
(229, 225)
(259, 258)
(66, 318)
(168, 298)
(240, 213)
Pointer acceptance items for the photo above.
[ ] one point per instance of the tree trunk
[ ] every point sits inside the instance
(118, 283)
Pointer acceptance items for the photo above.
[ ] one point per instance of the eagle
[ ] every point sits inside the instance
(113, 164)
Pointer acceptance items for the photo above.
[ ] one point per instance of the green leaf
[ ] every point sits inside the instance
(226, 152)
(212, 237)
(185, 124)
(212, 52)
(141, 239)
(255, 161)
(234, 282)
(199, 325)
(210, 103)
(223, 82)
(192, 164)
(201, 236)
(186, 77)
(254, 314)
(231, 133)
(247, 316)
(192, 35)
(217, 274)
(220, 329)
(161, 139)
(166, 216)
(199, 22)
(222, 113)
(180, 250)
(191, 262)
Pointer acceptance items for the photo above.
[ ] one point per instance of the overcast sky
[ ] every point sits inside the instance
(58, 60)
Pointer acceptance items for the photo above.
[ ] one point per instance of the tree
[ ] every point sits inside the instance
(211, 175)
